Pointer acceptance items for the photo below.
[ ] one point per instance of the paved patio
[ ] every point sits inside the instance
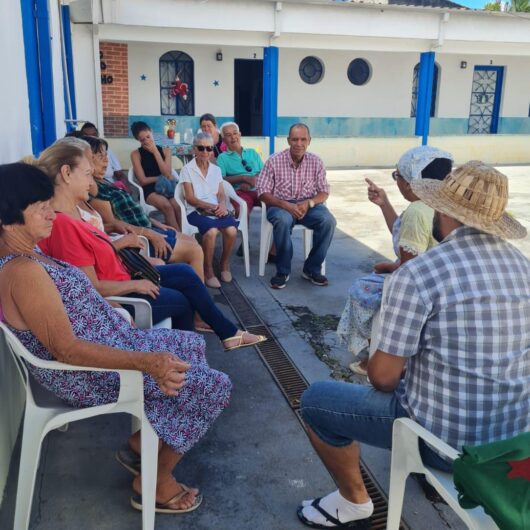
(256, 464)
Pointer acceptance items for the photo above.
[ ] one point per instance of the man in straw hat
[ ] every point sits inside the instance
(457, 318)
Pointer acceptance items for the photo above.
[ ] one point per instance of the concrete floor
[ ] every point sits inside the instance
(256, 463)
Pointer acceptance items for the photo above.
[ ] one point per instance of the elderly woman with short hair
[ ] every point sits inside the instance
(206, 208)
(56, 313)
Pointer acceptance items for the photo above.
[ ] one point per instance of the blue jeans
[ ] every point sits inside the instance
(318, 219)
(181, 294)
(340, 413)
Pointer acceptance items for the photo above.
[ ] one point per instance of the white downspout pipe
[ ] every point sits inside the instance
(97, 65)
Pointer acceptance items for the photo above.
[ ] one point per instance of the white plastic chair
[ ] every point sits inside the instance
(231, 194)
(266, 240)
(143, 313)
(141, 197)
(406, 459)
(43, 415)
(180, 197)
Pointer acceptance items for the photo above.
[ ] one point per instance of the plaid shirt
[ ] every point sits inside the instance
(460, 313)
(123, 205)
(280, 177)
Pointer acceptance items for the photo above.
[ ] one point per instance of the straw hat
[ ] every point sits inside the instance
(474, 194)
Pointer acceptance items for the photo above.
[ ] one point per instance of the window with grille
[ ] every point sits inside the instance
(176, 69)
(415, 84)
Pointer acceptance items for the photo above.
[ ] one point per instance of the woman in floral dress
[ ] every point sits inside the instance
(57, 314)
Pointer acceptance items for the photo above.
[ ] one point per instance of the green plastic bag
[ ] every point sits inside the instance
(496, 476)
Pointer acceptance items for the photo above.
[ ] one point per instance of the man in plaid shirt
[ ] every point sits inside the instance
(293, 185)
(457, 319)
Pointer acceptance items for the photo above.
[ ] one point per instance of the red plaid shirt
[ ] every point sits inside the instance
(280, 177)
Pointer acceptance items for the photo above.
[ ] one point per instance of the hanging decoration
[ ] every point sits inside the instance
(178, 88)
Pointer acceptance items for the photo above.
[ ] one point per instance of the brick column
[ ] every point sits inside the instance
(115, 88)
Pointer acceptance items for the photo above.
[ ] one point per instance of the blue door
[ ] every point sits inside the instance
(485, 100)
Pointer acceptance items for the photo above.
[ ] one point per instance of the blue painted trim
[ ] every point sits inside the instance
(46, 71)
(270, 94)
(423, 108)
(29, 28)
(69, 74)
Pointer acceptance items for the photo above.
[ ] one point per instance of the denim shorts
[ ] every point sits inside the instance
(340, 413)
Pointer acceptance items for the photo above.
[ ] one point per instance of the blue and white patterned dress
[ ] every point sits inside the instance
(180, 421)
(364, 299)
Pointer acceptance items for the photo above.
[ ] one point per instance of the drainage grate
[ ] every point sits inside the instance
(292, 384)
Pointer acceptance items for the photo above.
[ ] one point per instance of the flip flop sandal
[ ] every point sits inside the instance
(241, 344)
(136, 503)
(129, 460)
(361, 524)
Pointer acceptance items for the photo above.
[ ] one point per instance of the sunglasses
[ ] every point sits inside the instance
(203, 148)
(395, 174)
(246, 165)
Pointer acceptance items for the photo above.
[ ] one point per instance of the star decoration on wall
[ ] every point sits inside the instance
(143, 77)
(216, 83)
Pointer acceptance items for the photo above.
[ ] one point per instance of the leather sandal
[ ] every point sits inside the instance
(165, 507)
(240, 343)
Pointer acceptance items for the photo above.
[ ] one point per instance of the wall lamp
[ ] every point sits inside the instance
(463, 64)
(219, 56)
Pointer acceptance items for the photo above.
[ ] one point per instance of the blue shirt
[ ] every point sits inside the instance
(231, 163)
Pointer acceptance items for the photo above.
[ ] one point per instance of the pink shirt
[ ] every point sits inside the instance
(282, 179)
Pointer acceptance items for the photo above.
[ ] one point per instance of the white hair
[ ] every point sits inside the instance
(229, 124)
(202, 136)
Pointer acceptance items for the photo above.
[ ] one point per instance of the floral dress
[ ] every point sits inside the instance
(411, 231)
(181, 420)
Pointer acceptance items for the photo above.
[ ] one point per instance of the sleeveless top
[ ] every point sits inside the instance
(150, 167)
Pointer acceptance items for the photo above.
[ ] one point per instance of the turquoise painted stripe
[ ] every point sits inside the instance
(183, 122)
(448, 126)
(514, 125)
(322, 127)
(329, 127)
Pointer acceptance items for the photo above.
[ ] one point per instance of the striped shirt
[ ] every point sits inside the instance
(285, 181)
(460, 313)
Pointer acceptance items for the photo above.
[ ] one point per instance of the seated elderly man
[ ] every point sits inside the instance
(458, 319)
(293, 185)
(240, 165)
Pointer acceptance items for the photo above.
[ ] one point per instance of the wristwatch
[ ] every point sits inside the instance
(311, 203)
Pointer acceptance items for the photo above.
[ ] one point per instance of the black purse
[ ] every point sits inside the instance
(137, 266)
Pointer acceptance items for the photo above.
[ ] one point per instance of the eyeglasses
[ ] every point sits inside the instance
(203, 148)
(246, 165)
(395, 174)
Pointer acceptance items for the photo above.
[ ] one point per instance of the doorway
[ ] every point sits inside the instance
(248, 96)
(485, 100)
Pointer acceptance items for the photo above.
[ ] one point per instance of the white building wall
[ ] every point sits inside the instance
(85, 82)
(16, 135)
(57, 68)
(144, 96)
(455, 88)
(387, 93)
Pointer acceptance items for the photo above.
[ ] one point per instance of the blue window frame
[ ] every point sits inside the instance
(172, 65)
(415, 85)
